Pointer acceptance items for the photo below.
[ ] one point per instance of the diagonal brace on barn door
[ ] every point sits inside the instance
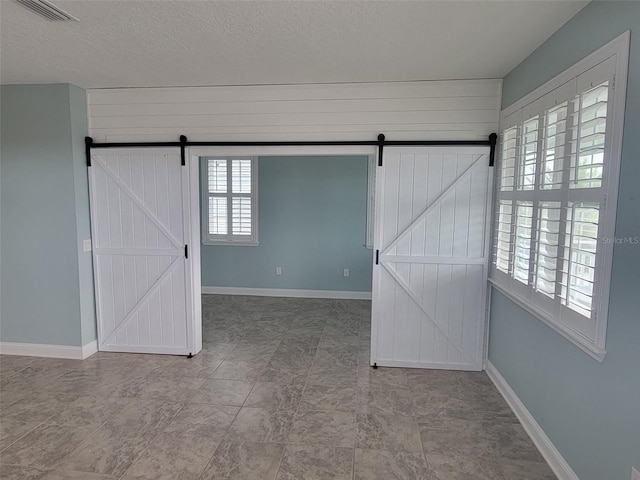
(431, 316)
(134, 198)
(142, 299)
(407, 231)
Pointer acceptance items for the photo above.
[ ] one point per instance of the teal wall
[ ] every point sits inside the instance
(590, 411)
(312, 214)
(46, 294)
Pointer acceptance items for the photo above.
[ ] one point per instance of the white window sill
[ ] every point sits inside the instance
(231, 244)
(579, 341)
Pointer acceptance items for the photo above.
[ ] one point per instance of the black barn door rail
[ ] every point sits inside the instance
(381, 142)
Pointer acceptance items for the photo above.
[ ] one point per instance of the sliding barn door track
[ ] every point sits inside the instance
(381, 142)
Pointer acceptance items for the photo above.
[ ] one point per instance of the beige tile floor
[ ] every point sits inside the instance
(282, 390)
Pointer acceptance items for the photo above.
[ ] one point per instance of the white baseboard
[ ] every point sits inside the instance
(89, 349)
(544, 444)
(51, 351)
(282, 292)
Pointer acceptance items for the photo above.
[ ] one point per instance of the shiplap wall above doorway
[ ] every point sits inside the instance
(429, 110)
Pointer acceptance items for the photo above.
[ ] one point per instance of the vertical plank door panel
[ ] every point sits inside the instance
(137, 203)
(431, 233)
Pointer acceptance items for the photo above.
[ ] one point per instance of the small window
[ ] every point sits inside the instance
(229, 201)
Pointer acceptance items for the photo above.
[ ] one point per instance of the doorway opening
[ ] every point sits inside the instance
(294, 306)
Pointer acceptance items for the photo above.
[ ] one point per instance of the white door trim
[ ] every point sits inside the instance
(192, 155)
(191, 215)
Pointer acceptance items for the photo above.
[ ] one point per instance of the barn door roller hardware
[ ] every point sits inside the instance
(380, 148)
(183, 144)
(381, 142)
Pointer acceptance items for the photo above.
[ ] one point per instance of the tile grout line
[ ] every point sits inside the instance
(295, 414)
(26, 433)
(155, 435)
(234, 418)
(415, 419)
(355, 436)
(80, 445)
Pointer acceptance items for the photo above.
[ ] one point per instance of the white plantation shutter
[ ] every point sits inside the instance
(522, 248)
(230, 214)
(502, 239)
(579, 265)
(547, 247)
(529, 156)
(556, 150)
(241, 221)
(241, 176)
(509, 156)
(587, 165)
(217, 215)
(556, 168)
(217, 176)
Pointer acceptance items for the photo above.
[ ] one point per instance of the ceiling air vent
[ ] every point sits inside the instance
(50, 12)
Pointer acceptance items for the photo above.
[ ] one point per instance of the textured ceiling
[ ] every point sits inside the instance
(167, 43)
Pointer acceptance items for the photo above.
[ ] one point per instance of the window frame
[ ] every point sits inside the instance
(231, 239)
(372, 165)
(539, 102)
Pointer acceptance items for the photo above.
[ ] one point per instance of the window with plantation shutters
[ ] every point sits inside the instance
(229, 201)
(557, 180)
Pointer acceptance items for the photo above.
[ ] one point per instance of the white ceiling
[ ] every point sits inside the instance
(167, 43)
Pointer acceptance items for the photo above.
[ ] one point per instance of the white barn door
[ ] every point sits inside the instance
(430, 280)
(140, 227)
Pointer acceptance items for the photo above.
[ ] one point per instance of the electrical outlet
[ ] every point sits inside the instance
(635, 474)
(278, 270)
(86, 245)
(346, 272)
